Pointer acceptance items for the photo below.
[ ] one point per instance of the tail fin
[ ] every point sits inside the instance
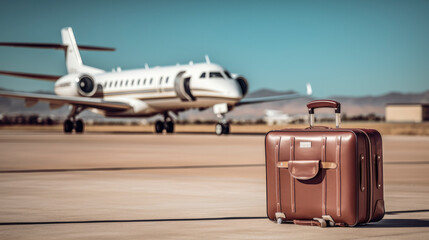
(309, 89)
(73, 60)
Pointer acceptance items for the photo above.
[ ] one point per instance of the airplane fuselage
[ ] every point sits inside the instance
(156, 90)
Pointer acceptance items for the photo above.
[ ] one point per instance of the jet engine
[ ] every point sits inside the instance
(86, 86)
(244, 85)
(76, 85)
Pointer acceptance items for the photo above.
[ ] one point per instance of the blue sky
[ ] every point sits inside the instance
(349, 48)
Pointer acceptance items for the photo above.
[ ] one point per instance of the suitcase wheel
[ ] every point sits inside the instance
(329, 220)
(279, 221)
(322, 222)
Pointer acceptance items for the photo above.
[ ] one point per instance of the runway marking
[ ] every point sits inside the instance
(131, 168)
(133, 220)
(401, 221)
(163, 167)
(385, 223)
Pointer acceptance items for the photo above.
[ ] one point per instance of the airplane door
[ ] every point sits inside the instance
(159, 84)
(182, 87)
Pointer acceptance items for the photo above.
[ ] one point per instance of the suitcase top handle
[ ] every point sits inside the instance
(324, 104)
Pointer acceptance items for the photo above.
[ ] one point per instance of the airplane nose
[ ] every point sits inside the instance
(235, 93)
(235, 89)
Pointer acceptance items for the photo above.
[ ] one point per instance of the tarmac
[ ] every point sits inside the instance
(180, 186)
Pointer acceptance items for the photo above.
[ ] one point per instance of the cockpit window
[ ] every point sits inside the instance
(215, 75)
(203, 75)
(227, 74)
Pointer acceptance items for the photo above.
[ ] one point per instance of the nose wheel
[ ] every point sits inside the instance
(222, 128)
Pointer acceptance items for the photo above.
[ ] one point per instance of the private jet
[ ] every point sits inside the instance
(142, 92)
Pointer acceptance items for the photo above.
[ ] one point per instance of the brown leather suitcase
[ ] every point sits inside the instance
(324, 176)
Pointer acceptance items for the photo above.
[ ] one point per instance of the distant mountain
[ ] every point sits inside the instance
(350, 105)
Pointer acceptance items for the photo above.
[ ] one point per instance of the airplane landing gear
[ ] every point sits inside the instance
(159, 126)
(223, 126)
(77, 125)
(71, 123)
(167, 124)
(68, 126)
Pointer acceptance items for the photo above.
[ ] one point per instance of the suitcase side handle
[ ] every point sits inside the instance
(324, 103)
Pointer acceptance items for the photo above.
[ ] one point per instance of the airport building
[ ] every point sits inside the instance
(407, 112)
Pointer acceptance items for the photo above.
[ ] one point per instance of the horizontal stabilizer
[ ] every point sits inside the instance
(45, 77)
(54, 46)
(94, 48)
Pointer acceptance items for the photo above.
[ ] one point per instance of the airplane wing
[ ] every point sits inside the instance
(59, 100)
(273, 98)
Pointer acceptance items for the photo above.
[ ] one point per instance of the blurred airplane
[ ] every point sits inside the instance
(138, 93)
(278, 117)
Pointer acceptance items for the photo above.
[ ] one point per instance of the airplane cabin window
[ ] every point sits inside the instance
(228, 74)
(110, 84)
(144, 82)
(138, 82)
(215, 75)
(151, 81)
(116, 83)
(120, 83)
(160, 80)
(203, 75)
(166, 80)
(126, 83)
